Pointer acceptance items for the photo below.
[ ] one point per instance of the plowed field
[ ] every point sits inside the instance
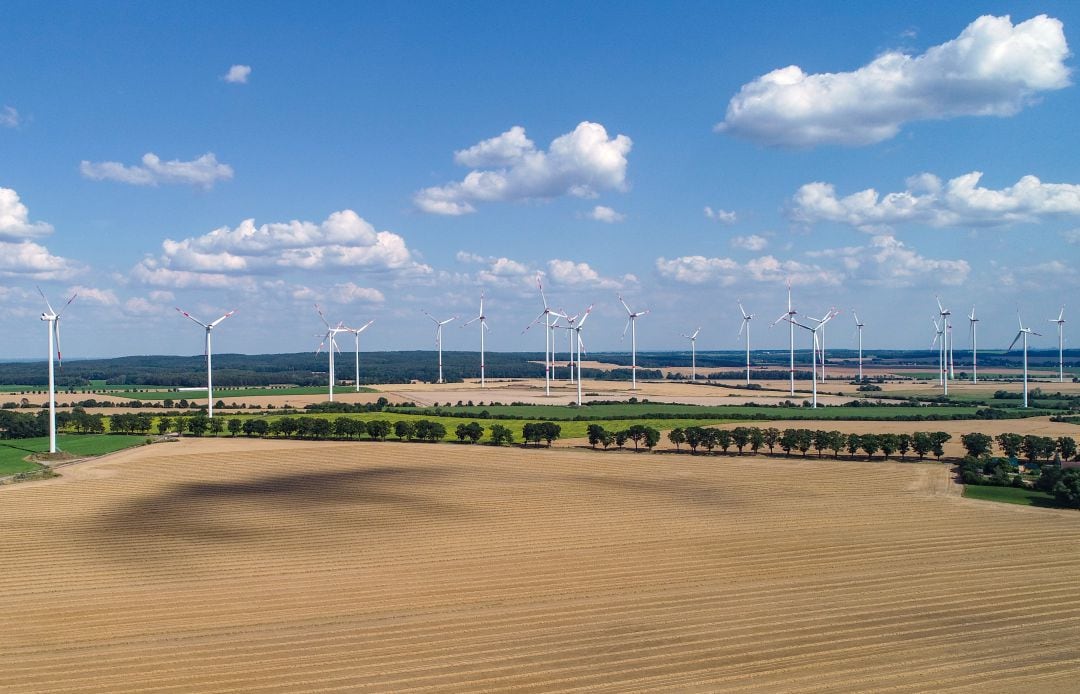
(261, 566)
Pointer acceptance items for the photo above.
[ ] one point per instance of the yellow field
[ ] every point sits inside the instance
(264, 566)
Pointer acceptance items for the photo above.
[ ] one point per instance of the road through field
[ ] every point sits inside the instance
(267, 566)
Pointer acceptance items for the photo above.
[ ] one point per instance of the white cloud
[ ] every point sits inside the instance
(162, 295)
(467, 257)
(697, 269)
(889, 262)
(9, 117)
(104, 297)
(204, 171)
(237, 74)
(28, 259)
(753, 242)
(15, 218)
(722, 216)
(580, 163)
(138, 306)
(958, 203)
(222, 257)
(602, 213)
(350, 293)
(992, 68)
(568, 272)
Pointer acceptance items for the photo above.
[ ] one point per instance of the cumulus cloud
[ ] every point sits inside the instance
(888, 262)
(237, 74)
(15, 218)
(960, 202)
(580, 163)
(568, 272)
(139, 306)
(93, 295)
(753, 242)
(227, 256)
(698, 269)
(30, 260)
(349, 293)
(992, 68)
(9, 117)
(204, 171)
(602, 213)
(722, 216)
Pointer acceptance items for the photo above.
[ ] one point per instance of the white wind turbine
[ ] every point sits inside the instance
(483, 327)
(859, 326)
(438, 337)
(939, 332)
(820, 354)
(974, 347)
(746, 318)
(631, 323)
(53, 320)
(546, 314)
(946, 344)
(693, 353)
(1024, 332)
(208, 352)
(821, 324)
(1060, 320)
(570, 321)
(356, 333)
(331, 335)
(789, 317)
(578, 345)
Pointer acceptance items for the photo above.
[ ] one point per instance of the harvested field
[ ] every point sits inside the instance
(264, 566)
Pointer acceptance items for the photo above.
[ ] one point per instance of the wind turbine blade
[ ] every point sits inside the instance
(469, 322)
(742, 310)
(46, 301)
(365, 327)
(783, 317)
(694, 336)
(1020, 321)
(319, 311)
(742, 326)
(941, 309)
(628, 311)
(627, 327)
(856, 316)
(583, 319)
(56, 331)
(187, 315)
(1013, 343)
(214, 324)
(972, 316)
(1032, 332)
(535, 321)
(643, 313)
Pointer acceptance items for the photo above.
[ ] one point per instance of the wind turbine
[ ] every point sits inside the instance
(693, 353)
(821, 348)
(1060, 320)
(438, 337)
(789, 317)
(208, 353)
(946, 344)
(1024, 332)
(331, 335)
(939, 332)
(548, 349)
(821, 324)
(746, 318)
(53, 320)
(974, 347)
(483, 326)
(579, 344)
(570, 320)
(631, 323)
(859, 327)
(356, 333)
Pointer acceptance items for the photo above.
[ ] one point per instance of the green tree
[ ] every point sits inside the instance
(198, 424)
(695, 437)
(676, 436)
(771, 437)
(903, 445)
(550, 431)
(820, 441)
(804, 440)
(1067, 489)
(870, 443)
(652, 437)
(740, 436)
(501, 435)
(938, 439)
(888, 443)
(789, 441)
(1010, 444)
(1066, 447)
(235, 425)
(921, 444)
(853, 444)
(724, 439)
(378, 429)
(595, 433)
(977, 444)
(471, 431)
(757, 439)
(343, 427)
(217, 426)
(404, 429)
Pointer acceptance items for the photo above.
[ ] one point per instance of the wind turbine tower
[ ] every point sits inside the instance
(548, 349)
(208, 352)
(356, 333)
(578, 346)
(859, 326)
(693, 353)
(1024, 332)
(746, 318)
(820, 353)
(631, 323)
(939, 332)
(821, 324)
(974, 347)
(438, 338)
(52, 319)
(483, 327)
(946, 344)
(331, 335)
(1060, 320)
(790, 317)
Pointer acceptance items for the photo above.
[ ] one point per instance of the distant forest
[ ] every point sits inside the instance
(306, 368)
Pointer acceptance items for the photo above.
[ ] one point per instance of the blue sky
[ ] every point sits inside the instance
(400, 157)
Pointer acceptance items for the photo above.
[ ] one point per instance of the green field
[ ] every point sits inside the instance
(12, 451)
(1010, 495)
(644, 410)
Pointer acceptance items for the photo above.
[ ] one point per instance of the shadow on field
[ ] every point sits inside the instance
(690, 490)
(252, 511)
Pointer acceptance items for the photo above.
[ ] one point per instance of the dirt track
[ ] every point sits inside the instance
(281, 566)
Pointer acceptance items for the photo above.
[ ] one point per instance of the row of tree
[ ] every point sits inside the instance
(1034, 448)
(803, 440)
(639, 434)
